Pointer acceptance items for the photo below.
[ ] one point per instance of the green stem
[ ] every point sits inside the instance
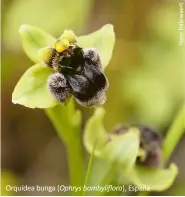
(89, 168)
(75, 164)
(174, 134)
(66, 121)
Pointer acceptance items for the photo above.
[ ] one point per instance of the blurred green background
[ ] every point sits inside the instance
(145, 74)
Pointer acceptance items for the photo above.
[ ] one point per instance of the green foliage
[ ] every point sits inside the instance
(31, 90)
(119, 151)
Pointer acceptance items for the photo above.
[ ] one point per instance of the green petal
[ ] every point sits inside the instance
(95, 132)
(103, 40)
(156, 179)
(122, 150)
(31, 90)
(33, 38)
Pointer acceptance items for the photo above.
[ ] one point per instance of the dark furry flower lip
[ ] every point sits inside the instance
(88, 88)
(150, 144)
(78, 72)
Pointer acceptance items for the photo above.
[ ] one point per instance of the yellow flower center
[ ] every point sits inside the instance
(62, 44)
